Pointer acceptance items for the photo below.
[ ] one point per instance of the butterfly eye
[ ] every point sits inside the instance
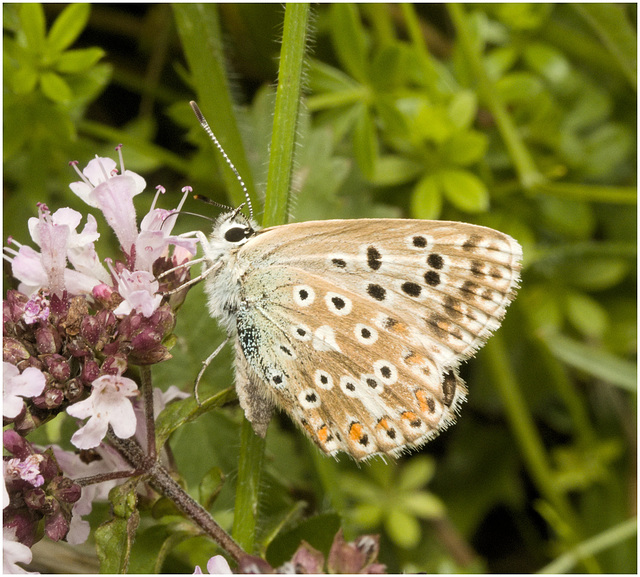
(237, 233)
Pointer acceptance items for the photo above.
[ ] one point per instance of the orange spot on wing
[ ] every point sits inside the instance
(414, 359)
(409, 416)
(399, 328)
(323, 434)
(355, 432)
(422, 399)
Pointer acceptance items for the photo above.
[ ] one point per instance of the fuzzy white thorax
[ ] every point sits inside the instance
(223, 287)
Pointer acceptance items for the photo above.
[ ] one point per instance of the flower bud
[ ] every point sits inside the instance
(164, 319)
(102, 292)
(59, 305)
(74, 390)
(36, 499)
(64, 489)
(14, 351)
(114, 365)
(56, 523)
(78, 347)
(91, 329)
(90, 372)
(16, 302)
(16, 444)
(58, 367)
(47, 340)
(53, 398)
(26, 422)
(31, 362)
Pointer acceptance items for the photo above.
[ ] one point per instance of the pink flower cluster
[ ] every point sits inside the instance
(70, 331)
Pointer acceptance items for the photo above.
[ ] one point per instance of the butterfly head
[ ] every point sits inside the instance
(230, 231)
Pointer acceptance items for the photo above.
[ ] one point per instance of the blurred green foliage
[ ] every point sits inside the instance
(521, 117)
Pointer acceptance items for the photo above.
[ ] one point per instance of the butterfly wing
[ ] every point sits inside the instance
(357, 327)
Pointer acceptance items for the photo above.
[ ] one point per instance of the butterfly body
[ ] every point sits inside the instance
(356, 328)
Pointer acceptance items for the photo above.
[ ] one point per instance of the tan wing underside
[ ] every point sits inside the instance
(446, 287)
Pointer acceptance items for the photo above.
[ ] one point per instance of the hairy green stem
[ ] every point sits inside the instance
(276, 207)
(285, 120)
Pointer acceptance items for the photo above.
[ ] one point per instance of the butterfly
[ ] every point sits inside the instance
(356, 328)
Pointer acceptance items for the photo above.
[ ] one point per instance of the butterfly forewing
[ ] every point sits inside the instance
(356, 328)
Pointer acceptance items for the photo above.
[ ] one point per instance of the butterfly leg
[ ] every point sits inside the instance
(205, 364)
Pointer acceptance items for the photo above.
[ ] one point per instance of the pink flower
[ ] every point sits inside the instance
(52, 238)
(217, 565)
(30, 383)
(155, 234)
(56, 235)
(13, 552)
(138, 289)
(36, 309)
(80, 246)
(27, 469)
(108, 404)
(102, 187)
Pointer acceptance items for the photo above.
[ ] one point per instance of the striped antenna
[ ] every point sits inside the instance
(202, 120)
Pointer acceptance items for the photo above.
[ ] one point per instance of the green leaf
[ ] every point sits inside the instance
(388, 68)
(519, 87)
(426, 199)
(464, 190)
(523, 16)
(184, 411)
(365, 143)
(55, 88)
(33, 26)
(349, 40)
(463, 108)
(424, 505)
(595, 274)
(68, 26)
(24, 80)
(594, 361)
(465, 148)
(114, 538)
(416, 473)
(198, 26)
(572, 219)
(392, 170)
(73, 61)
(403, 529)
(543, 307)
(616, 32)
(210, 486)
(276, 524)
(325, 78)
(587, 315)
(367, 515)
(152, 546)
(500, 60)
(547, 61)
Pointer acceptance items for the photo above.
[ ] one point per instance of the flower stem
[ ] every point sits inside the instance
(147, 395)
(160, 479)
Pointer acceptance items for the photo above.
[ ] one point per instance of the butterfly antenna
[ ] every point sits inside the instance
(206, 199)
(203, 122)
